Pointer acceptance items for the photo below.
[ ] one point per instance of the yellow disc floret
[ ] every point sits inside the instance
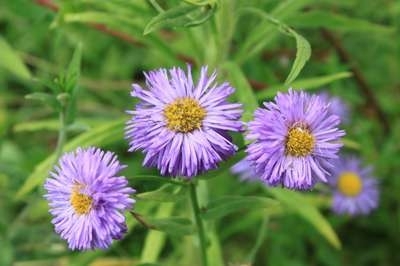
(184, 115)
(80, 202)
(349, 184)
(299, 142)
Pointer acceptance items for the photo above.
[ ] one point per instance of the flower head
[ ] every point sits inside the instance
(336, 106)
(183, 127)
(355, 190)
(86, 197)
(295, 138)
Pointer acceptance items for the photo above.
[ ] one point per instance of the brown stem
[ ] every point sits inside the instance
(140, 219)
(100, 27)
(359, 78)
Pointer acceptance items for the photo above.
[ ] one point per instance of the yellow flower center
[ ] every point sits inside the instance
(80, 202)
(349, 184)
(184, 115)
(299, 142)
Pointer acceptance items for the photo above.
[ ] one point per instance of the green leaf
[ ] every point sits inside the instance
(244, 93)
(229, 204)
(71, 83)
(11, 61)
(264, 32)
(74, 70)
(180, 16)
(166, 193)
(304, 84)
(45, 98)
(316, 19)
(173, 225)
(102, 135)
(301, 205)
(303, 48)
(303, 53)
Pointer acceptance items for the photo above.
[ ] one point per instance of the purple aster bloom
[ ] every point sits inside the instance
(295, 138)
(183, 127)
(86, 197)
(336, 106)
(356, 191)
(244, 169)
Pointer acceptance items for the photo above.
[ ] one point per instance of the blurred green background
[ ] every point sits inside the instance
(355, 55)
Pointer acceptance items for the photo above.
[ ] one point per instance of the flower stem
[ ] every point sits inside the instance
(199, 223)
(260, 239)
(62, 134)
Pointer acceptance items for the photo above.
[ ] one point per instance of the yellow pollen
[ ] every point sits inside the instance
(82, 203)
(299, 142)
(184, 115)
(349, 184)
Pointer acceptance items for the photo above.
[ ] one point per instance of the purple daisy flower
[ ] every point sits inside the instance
(295, 140)
(336, 106)
(244, 169)
(86, 197)
(356, 191)
(181, 127)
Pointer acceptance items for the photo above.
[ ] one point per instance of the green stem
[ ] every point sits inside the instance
(260, 239)
(199, 223)
(62, 135)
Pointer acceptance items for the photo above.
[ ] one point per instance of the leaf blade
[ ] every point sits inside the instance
(300, 205)
(11, 61)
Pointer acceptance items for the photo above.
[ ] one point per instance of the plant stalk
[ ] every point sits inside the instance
(62, 135)
(199, 223)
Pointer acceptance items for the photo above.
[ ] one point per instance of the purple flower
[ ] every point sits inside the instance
(336, 106)
(181, 127)
(86, 197)
(355, 190)
(295, 140)
(245, 170)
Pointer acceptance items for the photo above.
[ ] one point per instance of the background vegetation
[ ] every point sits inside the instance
(81, 56)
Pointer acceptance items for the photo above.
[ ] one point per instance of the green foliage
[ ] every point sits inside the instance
(72, 73)
(180, 16)
(228, 204)
(11, 61)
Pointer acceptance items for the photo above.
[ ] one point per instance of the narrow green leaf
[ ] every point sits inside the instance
(45, 98)
(180, 16)
(264, 32)
(54, 124)
(102, 135)
(300, 205)
(243, 92)
(303, 53)
(11, 61)
(229, 204)
(71, 83)
(173, 225)
(317, 18)
(74, 69)
(303, 48)
(51, 124)
(305, 84)
(166, 193)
